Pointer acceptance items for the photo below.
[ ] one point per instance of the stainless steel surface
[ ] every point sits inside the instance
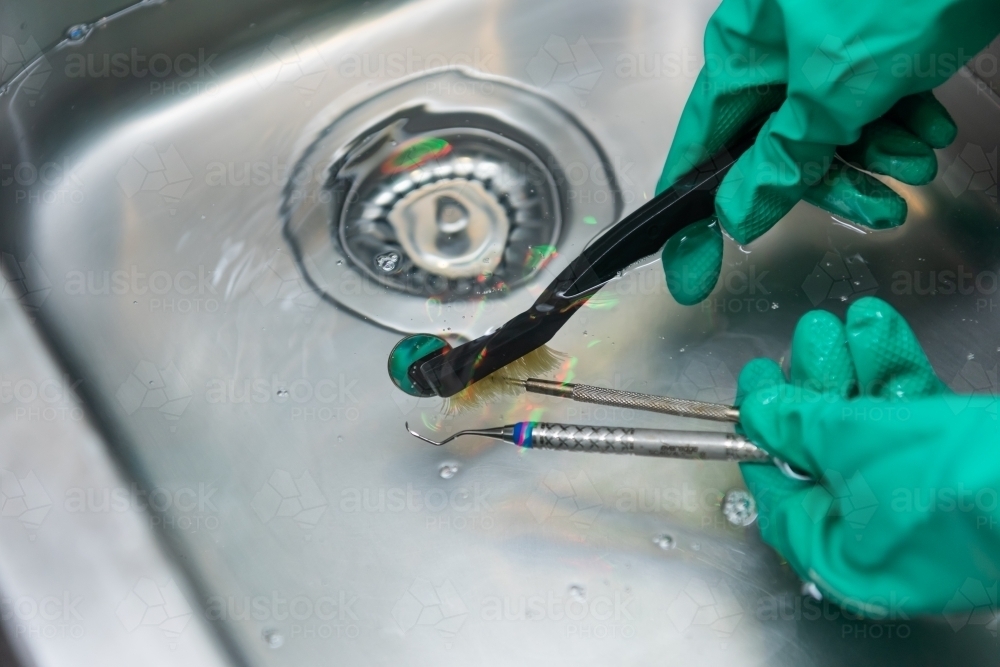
(144, 219)
(667, 405)
(83, 577)
(986, 66)
(700, 445)
(502, 140)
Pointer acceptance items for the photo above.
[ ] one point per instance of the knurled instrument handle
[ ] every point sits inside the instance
(700, 445)
(629, 399)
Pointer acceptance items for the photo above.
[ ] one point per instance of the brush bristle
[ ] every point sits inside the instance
(505, 381)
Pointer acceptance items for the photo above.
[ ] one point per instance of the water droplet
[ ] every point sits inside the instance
(843, 298)
(970, 356)
(273, 638)
(340, 438)
(739, 508)
(282, 393)
(665, 542)
(774, 306)
(387, 262)
(77, 32)
(448, 470)
(577, 592)
(810, 589)
(682, 349)
(695, 546)
(340, 262)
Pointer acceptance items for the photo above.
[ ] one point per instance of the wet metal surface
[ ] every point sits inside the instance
(218, 355)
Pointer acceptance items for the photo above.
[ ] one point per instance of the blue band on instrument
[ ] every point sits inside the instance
(522, 433)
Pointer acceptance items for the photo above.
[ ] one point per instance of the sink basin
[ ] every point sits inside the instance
(172, 235)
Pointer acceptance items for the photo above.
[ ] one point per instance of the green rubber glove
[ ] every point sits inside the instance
(903, 516)
(850, 81)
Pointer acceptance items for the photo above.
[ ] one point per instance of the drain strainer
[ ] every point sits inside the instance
(450, 213)
(442, 197)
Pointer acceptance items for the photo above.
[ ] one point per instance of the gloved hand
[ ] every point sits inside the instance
(851, 77)
(903, 514)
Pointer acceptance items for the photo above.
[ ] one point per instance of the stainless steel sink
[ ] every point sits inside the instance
(171, 229)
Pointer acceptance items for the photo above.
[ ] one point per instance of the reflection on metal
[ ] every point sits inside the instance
(84, 581)
(461, 174)
(463, 216)
(452, 228)
(220, 289)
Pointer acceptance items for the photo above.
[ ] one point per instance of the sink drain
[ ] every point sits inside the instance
(424, 206)
(450, 213)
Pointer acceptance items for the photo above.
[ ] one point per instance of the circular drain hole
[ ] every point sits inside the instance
(450, 213)
(443, 197)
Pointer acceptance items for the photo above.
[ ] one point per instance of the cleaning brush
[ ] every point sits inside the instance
(425, 365)
(506, 381)
(410, 350)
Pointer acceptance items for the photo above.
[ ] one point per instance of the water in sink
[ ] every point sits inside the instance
(213, 362)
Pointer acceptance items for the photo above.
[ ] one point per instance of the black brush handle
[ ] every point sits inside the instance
(650, 226)
(636, 236)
